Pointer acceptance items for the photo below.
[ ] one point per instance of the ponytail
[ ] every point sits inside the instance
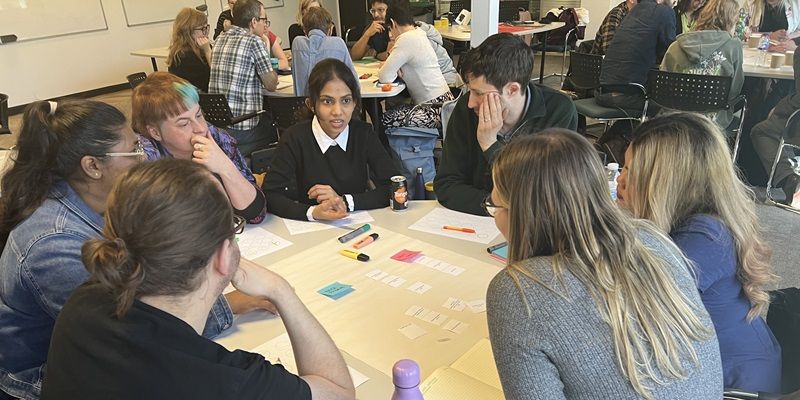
(53, 140)
(111, 266)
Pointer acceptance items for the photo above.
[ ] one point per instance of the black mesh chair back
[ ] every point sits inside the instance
(689, 92)
(585, 70)
(458, 5)
(135, 79)
(4, 129)
(286, 111)
(216, 110)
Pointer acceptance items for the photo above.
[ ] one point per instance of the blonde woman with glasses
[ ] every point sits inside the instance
(713, 222)
(190, 49)
(592, 305)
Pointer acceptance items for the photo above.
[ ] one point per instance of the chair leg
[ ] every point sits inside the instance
(772, 172)
(739, 134)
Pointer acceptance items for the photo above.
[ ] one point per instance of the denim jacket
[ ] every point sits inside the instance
(39, 268)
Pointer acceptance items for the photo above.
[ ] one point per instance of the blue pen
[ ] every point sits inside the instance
(353, 234)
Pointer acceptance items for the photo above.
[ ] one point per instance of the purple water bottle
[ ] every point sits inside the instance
(405, 376)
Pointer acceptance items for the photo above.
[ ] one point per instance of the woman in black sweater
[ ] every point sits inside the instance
(190, 49)
(322, 168)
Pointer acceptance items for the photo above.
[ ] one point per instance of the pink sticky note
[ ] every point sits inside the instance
(407, 256)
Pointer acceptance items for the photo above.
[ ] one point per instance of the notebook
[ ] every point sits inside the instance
(472, 376)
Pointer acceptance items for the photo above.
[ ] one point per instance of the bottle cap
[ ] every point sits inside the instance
(419, 170)
(405, 374)
(612, 165)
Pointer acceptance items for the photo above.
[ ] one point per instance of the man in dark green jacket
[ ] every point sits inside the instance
(502, 104)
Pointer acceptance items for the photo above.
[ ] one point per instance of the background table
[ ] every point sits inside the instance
(152, 54)
(457, 33)
(764, 71)
(250, 331)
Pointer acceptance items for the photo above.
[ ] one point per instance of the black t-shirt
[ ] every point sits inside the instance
(379, 41)
(774, 19)
(150, 354)
(193, 69)
(221, 21)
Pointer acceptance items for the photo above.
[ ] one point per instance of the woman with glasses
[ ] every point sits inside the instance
(133, 331)
(53, 196)
(713, 221)
(166, 114)
(190, 49)
(592, 304)
(275, 46)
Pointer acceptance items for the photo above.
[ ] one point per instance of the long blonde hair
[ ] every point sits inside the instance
(186, 22)
(681, 167)
(302, 8)
(718, 15)
(559, 205)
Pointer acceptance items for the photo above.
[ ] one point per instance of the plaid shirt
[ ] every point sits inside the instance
(607, 29)
(237, 60)
(155, 151)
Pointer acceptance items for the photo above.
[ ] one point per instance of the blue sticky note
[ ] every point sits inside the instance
(336, 290)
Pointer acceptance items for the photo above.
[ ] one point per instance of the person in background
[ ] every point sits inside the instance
(322, 168)
(686, 14)
(592, 304)
(376, 35)
(609, 26)
(713, 221)
(449, 72)
(711, 49)
(240, 65)
(225, 20)
(167, 115)
(766, 135)
(296, 29)
(275, 46)
(190, 50)
(133, 331)
(413, 59)
(779, 18)
(68, 155)
(317, 44)
(502, 104)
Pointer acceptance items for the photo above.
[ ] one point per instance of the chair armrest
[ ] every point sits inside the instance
(739, 103)
(245, 117)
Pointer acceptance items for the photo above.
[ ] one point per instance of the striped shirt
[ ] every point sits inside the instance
(237, 61)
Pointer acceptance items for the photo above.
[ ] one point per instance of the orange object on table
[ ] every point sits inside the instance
(387, 87)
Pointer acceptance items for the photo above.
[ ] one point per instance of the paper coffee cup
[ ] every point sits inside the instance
(752, 41)
(776, 60)
(789, 58)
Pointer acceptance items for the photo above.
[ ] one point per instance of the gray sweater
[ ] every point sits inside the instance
(565, 350)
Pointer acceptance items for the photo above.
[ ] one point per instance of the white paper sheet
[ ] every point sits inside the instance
(412, 331)
(255, 242)
(279, 351)
(355, 220)
(485, 229)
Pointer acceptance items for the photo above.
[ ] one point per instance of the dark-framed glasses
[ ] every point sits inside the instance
(138, 151)
(266, 21)
(238, 224)
(204, 29)
(490, 207)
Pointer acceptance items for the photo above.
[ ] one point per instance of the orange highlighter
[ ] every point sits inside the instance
(365, 241)
(456, 228)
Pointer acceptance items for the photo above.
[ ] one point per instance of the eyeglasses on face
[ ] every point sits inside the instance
(204, 29)
(490, 207)
(266, 21)
(379, 10)
(238, 224)
(138, 151)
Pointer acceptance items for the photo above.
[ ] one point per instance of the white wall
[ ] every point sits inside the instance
(597, 11)
(47, 68)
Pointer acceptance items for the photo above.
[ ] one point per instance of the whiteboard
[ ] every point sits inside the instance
(38, 19)
(142, 12)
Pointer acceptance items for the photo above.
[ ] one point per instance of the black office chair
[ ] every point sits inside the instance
(218, 113)
(260, 160)
(286, 111)
(696, 93)
(135, 79)
(4, 129)
(586, 76)
(790, 138)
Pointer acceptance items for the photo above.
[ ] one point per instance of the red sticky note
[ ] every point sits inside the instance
(407, 256)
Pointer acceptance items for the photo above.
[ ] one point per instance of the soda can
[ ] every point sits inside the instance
(399, 196)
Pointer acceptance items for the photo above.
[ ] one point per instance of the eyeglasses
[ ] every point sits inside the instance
(204, 29)
(266, 21)
(138, 151)
(380, 10)
(490, 207)
(238, 224)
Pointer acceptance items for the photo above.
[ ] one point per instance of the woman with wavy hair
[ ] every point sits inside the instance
(592, 304)
(713, 221)
(190, 49)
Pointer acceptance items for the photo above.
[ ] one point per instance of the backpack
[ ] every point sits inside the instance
(414, 148)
